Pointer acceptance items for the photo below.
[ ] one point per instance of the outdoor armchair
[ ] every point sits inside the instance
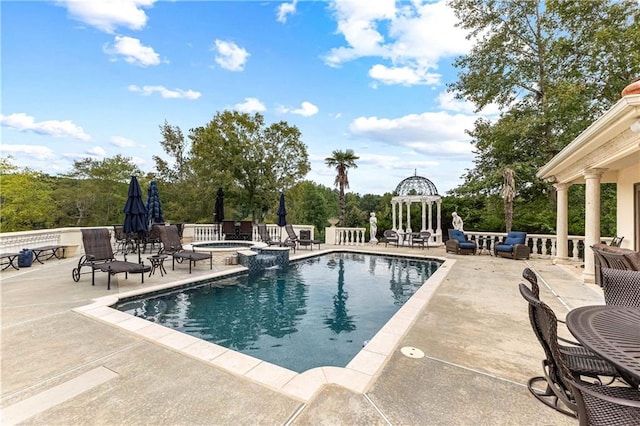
(421, 239)
(459, 244)
(514, 246)
(172, 246)
(391, 237)
(621, 287)
(610, 405)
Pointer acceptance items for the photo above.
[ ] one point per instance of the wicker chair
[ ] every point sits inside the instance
(391, 237)
(421, 239)
(562, 364)
(459, 244)
(621, 287)
(98, 255)
(606, 405)
(613, 257)
(172, 246)
(514, 246)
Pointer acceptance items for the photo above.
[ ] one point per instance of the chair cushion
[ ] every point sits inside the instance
(468, 245)
(515, 238)
(457, 235)
(504, 247)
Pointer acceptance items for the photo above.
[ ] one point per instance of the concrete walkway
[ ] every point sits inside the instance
(62, 368)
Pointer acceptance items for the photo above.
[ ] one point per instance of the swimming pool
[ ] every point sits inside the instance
(317, 312)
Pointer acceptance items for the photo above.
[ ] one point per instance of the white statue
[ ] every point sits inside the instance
(373, 228)
(457, 222)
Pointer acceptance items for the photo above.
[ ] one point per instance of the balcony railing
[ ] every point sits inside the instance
(542, 245)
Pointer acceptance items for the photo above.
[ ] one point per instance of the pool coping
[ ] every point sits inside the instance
(358, 375)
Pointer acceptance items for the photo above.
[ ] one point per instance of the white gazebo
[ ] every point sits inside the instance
(417, 189)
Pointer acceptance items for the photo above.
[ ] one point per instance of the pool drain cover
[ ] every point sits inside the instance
(412, 352)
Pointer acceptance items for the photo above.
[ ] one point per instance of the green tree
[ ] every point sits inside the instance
(342, 161)
(253, 162)
(552, 67)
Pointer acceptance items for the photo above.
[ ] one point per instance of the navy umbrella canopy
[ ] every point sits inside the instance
(282, 212)
(135, 213)
(218, 213)
(154, 208)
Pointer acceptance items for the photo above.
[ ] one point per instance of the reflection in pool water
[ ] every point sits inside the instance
(317, 312)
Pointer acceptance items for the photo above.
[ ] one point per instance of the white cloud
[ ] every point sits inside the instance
(165, 93)
(230, 56)
(307, 109)
(432, 133)
(122, 142)
(26, 123)
(403, 75)
(133, 51)
(250, 105)
(107, 15)
(97, 151)
(286, 9)
(37, 152)
(412, 37)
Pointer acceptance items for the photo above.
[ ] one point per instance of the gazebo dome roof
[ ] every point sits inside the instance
(416, 185)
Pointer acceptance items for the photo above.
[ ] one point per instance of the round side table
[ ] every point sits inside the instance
(157, 262)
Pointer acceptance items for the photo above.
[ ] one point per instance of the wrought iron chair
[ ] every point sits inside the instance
(621, 287)
(124, 244)
(616, 242)
(172, 246)
(263, 233)
(606, 405)
(562, 363)
(391, 237)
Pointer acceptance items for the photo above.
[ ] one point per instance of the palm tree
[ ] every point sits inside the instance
(508, 193)
(342, 161)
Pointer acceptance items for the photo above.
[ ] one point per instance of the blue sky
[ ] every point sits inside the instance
(97, 78)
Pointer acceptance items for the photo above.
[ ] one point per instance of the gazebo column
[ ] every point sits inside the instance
(439, 221)
(430, 228)
(408, 216)
(562, 222)
(591, 221)
(400, 229)
(424, 217)
(394, 205)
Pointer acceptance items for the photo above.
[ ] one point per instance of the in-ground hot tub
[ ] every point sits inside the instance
(220, 250)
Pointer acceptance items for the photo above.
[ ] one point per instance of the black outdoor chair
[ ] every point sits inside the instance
(562, 364)
(616, 242)
(172, 246)
(391, 237)
(98, 255)
(621, 287)
(421, 239)
(263, 233)
(606, 405)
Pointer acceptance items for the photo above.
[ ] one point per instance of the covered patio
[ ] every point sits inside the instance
(608, 151)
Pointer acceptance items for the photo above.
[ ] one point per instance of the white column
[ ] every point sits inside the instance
(393, 215)
(424, 216)
(430, 228)
(409, 216)
(400, 229)
(562, 221)
(591, 221)
(439, 219)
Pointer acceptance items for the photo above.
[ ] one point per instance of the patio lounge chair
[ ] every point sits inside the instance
(172, 246)
(514, 246)
(306, 241)
(562, 364)
(98, 255)
(229, 230)
(391, 237)
(263, 233)
(459, 244)
(246, 230)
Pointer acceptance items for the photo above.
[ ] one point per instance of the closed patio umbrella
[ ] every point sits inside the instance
(154, 208)
(218, 212)
(135, 213)
(282, 214)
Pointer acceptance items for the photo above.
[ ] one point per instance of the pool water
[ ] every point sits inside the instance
(316, 312)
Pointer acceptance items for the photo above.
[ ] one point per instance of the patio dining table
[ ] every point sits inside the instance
(613, 332)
